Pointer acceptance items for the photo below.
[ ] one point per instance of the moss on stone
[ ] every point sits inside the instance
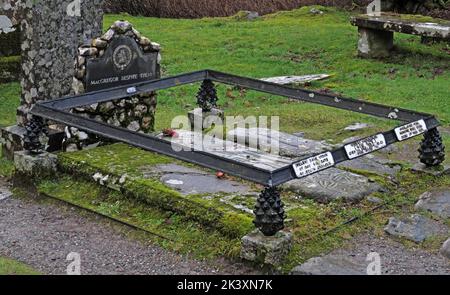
(118, 160)
(174, 231)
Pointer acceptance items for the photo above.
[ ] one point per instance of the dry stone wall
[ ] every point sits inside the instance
(136, 113)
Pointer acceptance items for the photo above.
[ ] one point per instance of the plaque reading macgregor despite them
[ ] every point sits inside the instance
(124, 62)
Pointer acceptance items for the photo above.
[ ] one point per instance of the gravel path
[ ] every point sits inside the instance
(395, 258)
(42, 235)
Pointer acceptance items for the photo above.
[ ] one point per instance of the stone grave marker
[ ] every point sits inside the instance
(119, 57)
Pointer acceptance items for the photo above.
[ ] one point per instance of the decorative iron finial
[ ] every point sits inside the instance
(269, 212)
(207, 96)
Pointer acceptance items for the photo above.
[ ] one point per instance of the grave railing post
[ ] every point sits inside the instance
(432, 150)
(269, 212)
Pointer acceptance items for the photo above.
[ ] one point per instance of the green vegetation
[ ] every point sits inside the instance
(171, 230)
(296, 43)
(6, 166)
(13, 267)
(9, 101)
(416, 77)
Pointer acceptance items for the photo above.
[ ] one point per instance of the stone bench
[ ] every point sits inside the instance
(376, 33)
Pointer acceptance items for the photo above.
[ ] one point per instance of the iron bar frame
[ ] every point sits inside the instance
(58, 110)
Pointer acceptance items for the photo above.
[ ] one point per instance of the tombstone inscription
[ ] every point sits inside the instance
(120, 57)
(123, 62)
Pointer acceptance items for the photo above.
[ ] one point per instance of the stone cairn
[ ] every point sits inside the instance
(135, 113)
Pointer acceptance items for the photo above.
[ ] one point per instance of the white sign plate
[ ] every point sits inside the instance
(365, 146)
(314, 164)
(413, 129)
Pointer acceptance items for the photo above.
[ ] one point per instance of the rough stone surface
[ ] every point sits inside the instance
(437, 202)
(357, 127)
(266, 250)
(51, 39)
(333, 184)
(416, 228)
(35, 165)
(375, 43)
(296, 80)
(372, 164)
(289, 145)
(435, 171)
(331, 265)
(136, 113)
(5, 193)
(207, 119)
(395, 258)
(445, 250)
(189, 184)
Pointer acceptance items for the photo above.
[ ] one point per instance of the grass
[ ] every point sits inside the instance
(13, 267)
(415, 77)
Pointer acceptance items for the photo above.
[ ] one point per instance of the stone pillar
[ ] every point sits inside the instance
(52, 31)
(375, 43)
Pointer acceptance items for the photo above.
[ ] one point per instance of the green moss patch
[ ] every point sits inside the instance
(123, 166)
(170, 230)
(9, 68)
(13, 267)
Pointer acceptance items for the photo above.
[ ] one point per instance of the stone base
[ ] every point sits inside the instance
(445, 250)
(375, 43)
(41, 165)
(331, 265)
(435, 171)
(266, 250)
(206, 118)
(12, 140)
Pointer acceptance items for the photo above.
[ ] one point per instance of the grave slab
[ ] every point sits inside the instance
(333, 184)
(437, 202)
(189, 184)
(435, 171)
(416, 228)
(289, 145)
(372, 164)
(332, 264)
(260, 249)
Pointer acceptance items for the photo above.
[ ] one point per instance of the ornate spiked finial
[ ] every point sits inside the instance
(207, 96)
(269, 212)
(432, 150)
(33, 139)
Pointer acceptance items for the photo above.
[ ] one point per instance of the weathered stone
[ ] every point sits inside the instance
(260, 249)
(435, 171)
(134, 126)
(372, 163)
(295, 80)
(332, 264)
(207, 119)
(333, 184)
(5, 193)
(41, 165)
(437, 202)
(190, 183)
(288, 145)
(375, 43)
(99, 43)
(357, 127)
(315, 11)
(144, 41)
(445, 250)
(416, 228)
